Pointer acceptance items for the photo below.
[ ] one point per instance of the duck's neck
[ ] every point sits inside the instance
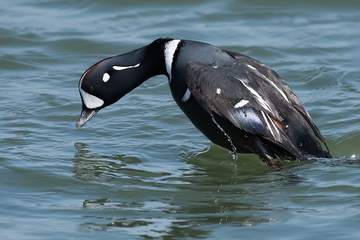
(151, 59)
(133, 68)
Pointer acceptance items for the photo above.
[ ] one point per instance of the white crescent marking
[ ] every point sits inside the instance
(90, 101)
(119, 68)
(169, 51)
(186, 95)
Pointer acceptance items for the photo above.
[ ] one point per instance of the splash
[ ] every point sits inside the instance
(234, 153)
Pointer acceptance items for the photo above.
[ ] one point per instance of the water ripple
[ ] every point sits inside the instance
(140, 169)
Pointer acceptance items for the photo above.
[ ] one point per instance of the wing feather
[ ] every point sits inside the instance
(279, 82)
(226, 91)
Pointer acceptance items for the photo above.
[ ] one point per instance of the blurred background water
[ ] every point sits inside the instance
(139, 169)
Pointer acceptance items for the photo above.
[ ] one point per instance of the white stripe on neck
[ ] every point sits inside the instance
(169, 51)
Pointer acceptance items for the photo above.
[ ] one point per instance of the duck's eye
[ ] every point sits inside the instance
(92, 88)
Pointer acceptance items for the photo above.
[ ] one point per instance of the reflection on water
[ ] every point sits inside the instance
(183, 202)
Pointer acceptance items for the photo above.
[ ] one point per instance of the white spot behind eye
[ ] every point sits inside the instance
(218, 90)
(119, 68)
(106, 77)
(90, 101)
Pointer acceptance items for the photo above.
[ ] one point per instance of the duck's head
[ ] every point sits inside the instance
(110, 79)
(105, 83)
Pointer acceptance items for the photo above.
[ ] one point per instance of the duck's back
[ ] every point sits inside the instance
(229, 95)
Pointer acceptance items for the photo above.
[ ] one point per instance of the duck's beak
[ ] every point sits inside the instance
(86, 115)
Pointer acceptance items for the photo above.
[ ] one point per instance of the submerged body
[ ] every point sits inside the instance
(234, 100)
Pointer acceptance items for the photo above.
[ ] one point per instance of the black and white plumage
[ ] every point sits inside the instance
(234, 100)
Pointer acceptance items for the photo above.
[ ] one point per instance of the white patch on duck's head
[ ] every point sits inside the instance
(218, 90)
(119, 68)
(90, 101)
(106, 77)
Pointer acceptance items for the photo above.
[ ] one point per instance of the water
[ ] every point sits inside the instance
(139, 169)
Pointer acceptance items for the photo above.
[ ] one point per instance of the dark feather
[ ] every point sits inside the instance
(246, 97)
(274, 77)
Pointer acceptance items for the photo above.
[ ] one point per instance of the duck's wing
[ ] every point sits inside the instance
(248, 104)
(267, 73)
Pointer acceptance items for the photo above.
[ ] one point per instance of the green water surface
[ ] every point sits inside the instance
(140, 169)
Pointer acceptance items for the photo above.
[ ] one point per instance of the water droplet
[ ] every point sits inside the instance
(287, 126)
(234, 153)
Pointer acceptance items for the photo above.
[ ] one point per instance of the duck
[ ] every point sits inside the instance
(236, 101)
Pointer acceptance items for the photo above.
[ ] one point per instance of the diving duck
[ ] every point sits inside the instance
(234, 100)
